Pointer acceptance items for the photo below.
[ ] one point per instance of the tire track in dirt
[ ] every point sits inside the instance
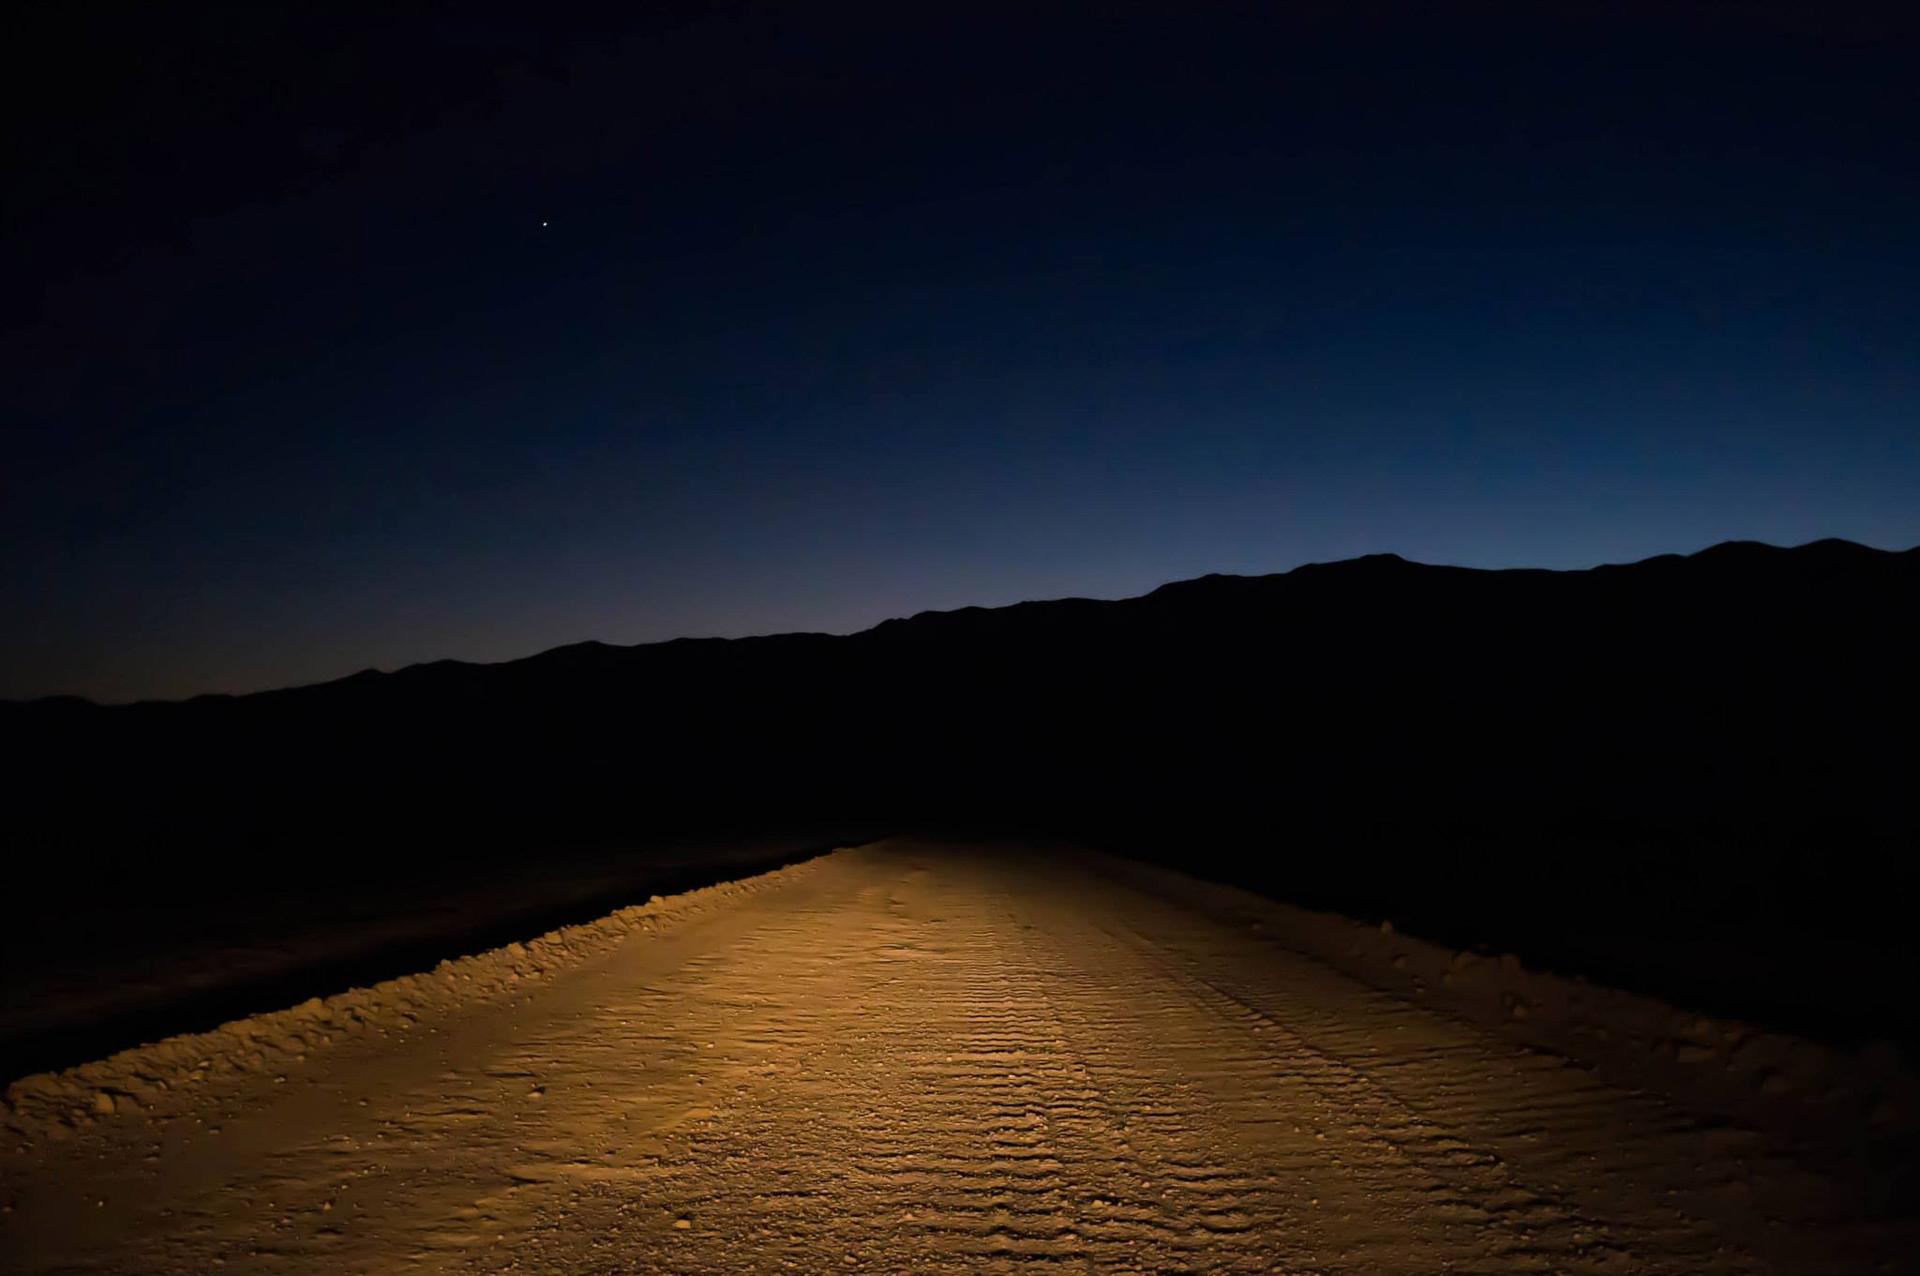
(942, 1060)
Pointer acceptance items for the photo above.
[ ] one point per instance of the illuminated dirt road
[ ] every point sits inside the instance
(914, 1060)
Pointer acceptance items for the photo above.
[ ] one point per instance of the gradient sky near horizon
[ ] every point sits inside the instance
(359, 341)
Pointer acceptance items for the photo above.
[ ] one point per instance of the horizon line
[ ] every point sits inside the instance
(372, 671)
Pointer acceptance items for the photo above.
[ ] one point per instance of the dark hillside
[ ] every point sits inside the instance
(1702, 761)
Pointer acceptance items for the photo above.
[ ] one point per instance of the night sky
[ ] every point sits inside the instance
(336, 339)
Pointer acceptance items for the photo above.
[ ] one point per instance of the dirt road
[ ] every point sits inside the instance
(918, 1060)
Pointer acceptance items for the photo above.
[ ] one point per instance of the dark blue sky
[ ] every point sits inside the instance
(840, 314)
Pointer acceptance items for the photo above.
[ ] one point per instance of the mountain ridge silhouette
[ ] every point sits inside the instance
(1749, 553)
(1745, 690)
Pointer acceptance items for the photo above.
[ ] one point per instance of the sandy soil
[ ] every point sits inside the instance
(93, 972)
(917, 1058)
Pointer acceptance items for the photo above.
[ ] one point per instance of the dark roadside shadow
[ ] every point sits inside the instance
(137, 974)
